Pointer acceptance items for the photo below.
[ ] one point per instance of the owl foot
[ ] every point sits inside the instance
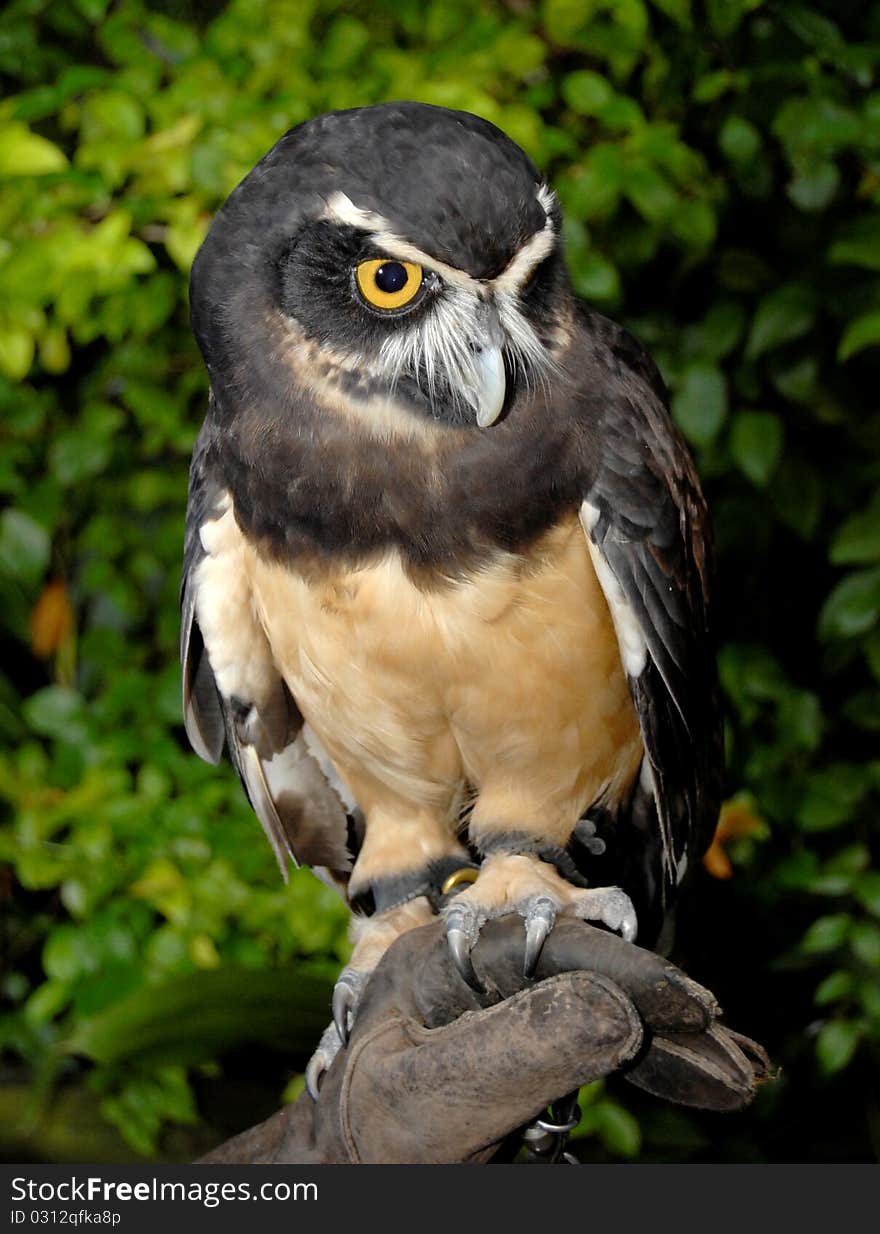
(322, 1059)
(521, 883)
(346, 996)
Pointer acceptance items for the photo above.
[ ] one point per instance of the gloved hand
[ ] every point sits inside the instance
(435, 1073)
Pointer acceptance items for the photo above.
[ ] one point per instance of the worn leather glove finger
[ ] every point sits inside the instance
(415, 1094)
(426, 985)
(687, 1056)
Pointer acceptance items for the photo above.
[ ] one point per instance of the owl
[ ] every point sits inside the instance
(446, 567)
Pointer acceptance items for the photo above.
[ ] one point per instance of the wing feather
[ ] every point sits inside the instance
(648, 533)
(233, 694)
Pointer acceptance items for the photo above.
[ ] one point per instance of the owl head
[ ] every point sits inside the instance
(399, 263)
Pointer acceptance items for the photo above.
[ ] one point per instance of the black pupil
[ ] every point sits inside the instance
(391, 277)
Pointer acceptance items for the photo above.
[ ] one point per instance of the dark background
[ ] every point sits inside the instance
(719, 165)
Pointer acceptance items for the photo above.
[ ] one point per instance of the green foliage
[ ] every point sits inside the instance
(720, 170)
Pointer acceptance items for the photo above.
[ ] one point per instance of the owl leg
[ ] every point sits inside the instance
(395, 886)
(372, 936)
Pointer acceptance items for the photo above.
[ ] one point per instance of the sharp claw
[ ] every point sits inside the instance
(343, 1001)
(314, 1071)
(539, 923)
(459, 947)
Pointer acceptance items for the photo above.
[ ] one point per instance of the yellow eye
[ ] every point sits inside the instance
(388, 284)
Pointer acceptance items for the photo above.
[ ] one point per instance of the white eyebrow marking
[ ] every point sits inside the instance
(343, 210)
(512, 277)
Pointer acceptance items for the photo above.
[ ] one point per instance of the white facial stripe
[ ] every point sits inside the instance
(536, 248)
(532, 253)
(343, 210)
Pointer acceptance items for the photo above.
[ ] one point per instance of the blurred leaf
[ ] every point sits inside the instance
(700, 402)
(209, 1012)
(858, 243)
(586, 92)
(813, 187)
(826, 934)
(829, 798)
(836, 1044)
(756, 439)
(16, 351)
(836, 986)
(858, 540)
(56, 712)
(867, 890)
(24, 546)
(853, 606)
(739, 140)
(619, 1130)
(865, 942)
(859, 334)
(23, 153)
(781, 316)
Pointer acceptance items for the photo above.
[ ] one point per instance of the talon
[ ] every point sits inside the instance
(459, 947)
(322, 1060)
(314, 1071)
(342, 1004)
(540, 919)
(462, 931)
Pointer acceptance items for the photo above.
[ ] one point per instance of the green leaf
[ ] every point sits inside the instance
(814, 186)
(585, 92)
(678, 10)
(783, 315)
(826, 934)
(739, 140)
(756, 439)
(797, 495)
(23, 153)
(726, 15)
(815, 127)
(700, 403)
(596, 279)
(56, 712)
(24, 546)
(619, 1131)
(720, 330)
(857, 542)
(859, 334)
(858, 243)
(650, 192)
(867, 891)
(853, 607)
(831, 797)
(17, 347)
(196, 1017)
(836, 1044)
(836, 986)
(865, 941)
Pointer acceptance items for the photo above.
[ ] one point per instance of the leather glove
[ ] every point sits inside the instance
(436, 1073)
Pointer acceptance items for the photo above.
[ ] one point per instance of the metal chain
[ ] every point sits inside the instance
(545, 1138)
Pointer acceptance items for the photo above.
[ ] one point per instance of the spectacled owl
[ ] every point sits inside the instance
(445, 588)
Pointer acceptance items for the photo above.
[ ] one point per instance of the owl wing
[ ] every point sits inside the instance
(233, 693)
(649, 538)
